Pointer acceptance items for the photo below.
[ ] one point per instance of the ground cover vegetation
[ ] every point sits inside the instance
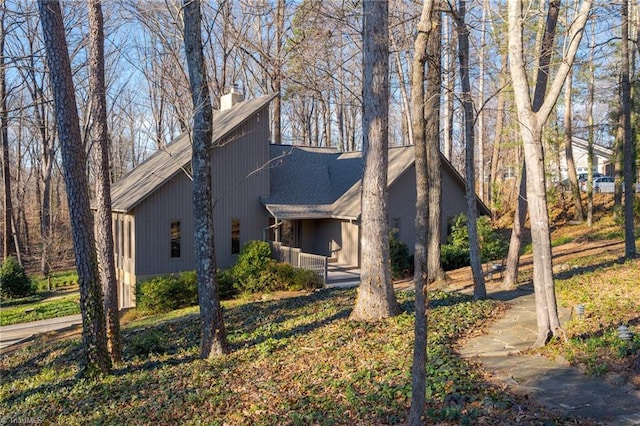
(295, 360)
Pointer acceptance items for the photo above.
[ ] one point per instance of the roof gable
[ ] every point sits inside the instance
(175, 157)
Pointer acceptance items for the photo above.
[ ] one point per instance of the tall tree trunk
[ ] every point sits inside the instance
(591, 135)
(432, 134)
(96, 355)
(517, 233)
(376, 298)
(532, 115)
(104, 231)
(213, 332)
(497, 138)
(277, 81)
(9, 247)
(568, 150)
(479, 290)
(420, 277)
(449, 87)
(481, 113)
(628, 143)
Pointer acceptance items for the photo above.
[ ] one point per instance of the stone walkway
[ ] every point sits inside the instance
(551, 383)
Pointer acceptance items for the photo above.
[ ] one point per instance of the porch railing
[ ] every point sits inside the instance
(298, 259)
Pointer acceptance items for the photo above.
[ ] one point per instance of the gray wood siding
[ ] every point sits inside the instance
(402, 204)
(349, 253)
(172, 202)
(241, 177)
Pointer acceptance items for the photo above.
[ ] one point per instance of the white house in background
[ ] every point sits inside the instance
(602, 158)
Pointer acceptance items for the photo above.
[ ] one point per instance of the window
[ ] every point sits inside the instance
(395, 227)
(175, 239)
(129, 240)
(235, 236)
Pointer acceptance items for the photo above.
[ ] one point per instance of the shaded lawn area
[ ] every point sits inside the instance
(609, 291)
(40, 310)
(295, 361)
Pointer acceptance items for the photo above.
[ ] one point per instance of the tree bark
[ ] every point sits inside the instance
(479, 289)
(376, 299)
(104, 231)
(213, 332)
(96, 356)
(9, 247)
(568, 150)
(421, 256)
(517, 233)
(532, 116)
(432, 136)
(628, 143)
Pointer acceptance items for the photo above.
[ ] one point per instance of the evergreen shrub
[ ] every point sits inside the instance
(14, 281)
(168, 292)
(401, 260)
(455, 254)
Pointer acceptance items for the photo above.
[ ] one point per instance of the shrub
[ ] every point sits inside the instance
(226, 289)
(14, 281)
(455, 254)
(147, 343)
(252, 261)
(400, 258)
(453, 257)
(169, 292)
(304, 279)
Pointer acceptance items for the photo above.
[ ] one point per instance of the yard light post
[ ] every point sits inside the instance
(624, 333)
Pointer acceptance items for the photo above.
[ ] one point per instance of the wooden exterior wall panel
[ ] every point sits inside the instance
(240, 177)
(153, 217)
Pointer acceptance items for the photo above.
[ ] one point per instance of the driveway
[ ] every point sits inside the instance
(13, 334)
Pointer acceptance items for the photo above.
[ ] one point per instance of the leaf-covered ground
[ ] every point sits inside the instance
(295, 361)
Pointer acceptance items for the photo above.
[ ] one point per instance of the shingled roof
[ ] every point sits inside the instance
(165, 163)
(309, 182)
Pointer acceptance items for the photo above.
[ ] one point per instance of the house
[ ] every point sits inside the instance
(302, 196)
(602, 158)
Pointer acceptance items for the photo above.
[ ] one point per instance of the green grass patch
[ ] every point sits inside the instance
(295, 361)
(563, 239)
(611, 297)
(40, 310)
(57, 279)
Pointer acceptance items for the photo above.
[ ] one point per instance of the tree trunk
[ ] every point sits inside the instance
(497, 138)
(479, 290)
(376, 298)
(421, 256)
(532, 116)
(9, 247)
(517, 233)
(568, 150)
(104, 232)
(628, 143)
(449, 88)
(96, 355)
(213, 332)
(432, 136)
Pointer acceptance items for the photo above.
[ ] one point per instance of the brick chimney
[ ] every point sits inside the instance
(232, 98)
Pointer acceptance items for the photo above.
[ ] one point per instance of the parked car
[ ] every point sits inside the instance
(582, 177)
(600, 184)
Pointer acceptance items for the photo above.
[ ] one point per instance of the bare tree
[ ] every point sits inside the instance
(568, 149)
(532, 115)
(376, 298)
(96, 355)
(479, 290)
(104, 232)
(628, 144)
(420, 277)
(9, 247)
(213, 332)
